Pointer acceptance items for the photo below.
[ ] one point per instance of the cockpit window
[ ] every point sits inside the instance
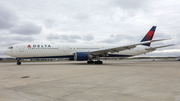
(10, 48)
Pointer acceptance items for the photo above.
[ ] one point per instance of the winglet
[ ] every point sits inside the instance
(149, 36)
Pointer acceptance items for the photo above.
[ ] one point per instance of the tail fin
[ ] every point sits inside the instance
(149, 36)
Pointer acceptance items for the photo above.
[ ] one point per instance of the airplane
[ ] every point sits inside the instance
(82, 52)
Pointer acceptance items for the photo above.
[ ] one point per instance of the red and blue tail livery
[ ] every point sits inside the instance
(149, 36)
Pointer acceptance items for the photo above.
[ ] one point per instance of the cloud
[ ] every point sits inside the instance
(23, 39)
(2, 55)
(128, 4)
(75, 37)
(69, 37)
(16, 39)
(49, 23)
(119, 38)
(52, 37)
(63, 37)
(27, 28)
(81, 16)
(88, 37)
(8, 18)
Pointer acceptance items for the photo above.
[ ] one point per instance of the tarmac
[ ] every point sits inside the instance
(126, 80)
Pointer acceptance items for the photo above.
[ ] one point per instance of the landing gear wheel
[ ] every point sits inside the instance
(90, 62)
(18, 63)
(98, 62)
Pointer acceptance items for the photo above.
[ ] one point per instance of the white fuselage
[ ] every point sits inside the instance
(66, 50)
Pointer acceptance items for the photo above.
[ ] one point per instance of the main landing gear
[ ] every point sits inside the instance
(95, 62)
(18, 62)
(90, 62)
(98, 62)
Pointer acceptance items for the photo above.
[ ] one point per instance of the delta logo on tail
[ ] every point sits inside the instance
(149, 36)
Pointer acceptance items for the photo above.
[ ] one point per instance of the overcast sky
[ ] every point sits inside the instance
(90, 21)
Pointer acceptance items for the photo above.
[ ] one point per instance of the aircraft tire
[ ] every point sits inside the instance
(90, 62)
(18, 63)
(98, 62)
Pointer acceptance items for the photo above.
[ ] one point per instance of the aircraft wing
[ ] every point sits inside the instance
(104, 51)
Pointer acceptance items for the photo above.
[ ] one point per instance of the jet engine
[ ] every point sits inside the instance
(82, 56)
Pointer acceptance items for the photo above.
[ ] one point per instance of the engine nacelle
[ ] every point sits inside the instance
(82, 56)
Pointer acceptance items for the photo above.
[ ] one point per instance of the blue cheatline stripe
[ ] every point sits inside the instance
(118, 55)
(72, 56)
(66, 56)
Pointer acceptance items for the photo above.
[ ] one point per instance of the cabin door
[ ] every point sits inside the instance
(60, 48)
(21, 48)
(65, 48)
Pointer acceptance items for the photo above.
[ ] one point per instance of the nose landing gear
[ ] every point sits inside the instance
(18, 62)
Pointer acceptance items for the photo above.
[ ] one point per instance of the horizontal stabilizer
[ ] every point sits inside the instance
(160, 40)
(154, 48)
